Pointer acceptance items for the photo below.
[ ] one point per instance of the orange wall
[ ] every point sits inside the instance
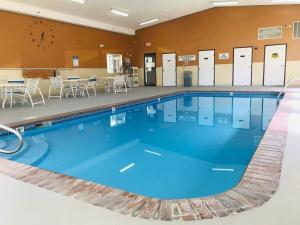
(18, 50)
(218, 28)
(221, 29)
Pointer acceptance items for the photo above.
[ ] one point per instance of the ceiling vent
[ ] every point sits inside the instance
(269, 33)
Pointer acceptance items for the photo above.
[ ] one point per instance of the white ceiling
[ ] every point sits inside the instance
(95, 13)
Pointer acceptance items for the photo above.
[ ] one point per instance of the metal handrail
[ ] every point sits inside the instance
(19, 136)
(285, 87)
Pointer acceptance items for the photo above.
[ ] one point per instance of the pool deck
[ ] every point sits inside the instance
(46, 207)
(54, 106)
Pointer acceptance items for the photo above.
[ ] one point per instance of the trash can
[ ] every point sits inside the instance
(187, 77)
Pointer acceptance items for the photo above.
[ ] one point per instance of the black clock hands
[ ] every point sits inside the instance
(42, 37)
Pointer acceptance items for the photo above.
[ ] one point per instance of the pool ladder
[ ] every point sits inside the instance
(19, 136)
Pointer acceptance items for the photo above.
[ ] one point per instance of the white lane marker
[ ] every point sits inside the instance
(127, 167)
(222, 169)
(153, 153)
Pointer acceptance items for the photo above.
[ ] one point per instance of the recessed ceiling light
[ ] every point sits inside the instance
(224, 3)
(79, 1)
(118, 12)
(148, 21)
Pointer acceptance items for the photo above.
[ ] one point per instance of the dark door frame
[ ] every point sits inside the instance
(264, 73)
(203, 50)
(162, 66)
(154, 53)
(251, 84)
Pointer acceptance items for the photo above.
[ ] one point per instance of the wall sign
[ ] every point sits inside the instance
(75, 61)
(148, 44)
(186, 58)
(223, 56)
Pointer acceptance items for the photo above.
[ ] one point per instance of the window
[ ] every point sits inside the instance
(296, 33)
(269, 33)
(114, 63)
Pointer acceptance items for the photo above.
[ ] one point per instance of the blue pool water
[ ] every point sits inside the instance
(184, 146)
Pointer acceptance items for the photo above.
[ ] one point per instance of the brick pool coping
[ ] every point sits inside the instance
(257, 186)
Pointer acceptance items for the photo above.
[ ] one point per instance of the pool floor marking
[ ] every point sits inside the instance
(222, 169)
(127, 167)
(153, 153)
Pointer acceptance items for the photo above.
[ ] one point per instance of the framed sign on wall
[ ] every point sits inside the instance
(224, 56)
(75, 61)
(186, 58)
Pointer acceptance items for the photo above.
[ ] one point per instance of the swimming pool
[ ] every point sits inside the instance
(183, 146)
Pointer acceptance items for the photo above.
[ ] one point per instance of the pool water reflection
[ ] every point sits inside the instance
(190, 145)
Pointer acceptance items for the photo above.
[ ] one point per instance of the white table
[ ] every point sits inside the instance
(108, 82)
(108, 79)
(74, 83)
(8, 89)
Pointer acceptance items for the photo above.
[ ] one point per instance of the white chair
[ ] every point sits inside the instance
(31, 90)
(108, 85)
(129, 82)
(73, 77)
(57, 85)
(2, 95)
(2, 90)
(74, 86)
(17, 81)
(120, 84)
(91, 85)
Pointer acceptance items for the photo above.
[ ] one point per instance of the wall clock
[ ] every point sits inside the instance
(41, 34)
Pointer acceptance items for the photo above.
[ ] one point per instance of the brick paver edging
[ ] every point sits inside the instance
(256, 187)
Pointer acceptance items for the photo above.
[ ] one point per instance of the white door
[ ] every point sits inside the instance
(242, 66)
(206, 111)
(223, 110)
(241, 113)
(275, 63)
(206, 74)
(169, 69)
(170, 111)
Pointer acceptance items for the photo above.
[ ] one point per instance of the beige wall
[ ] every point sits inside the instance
(85, 73)
(223, 74)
